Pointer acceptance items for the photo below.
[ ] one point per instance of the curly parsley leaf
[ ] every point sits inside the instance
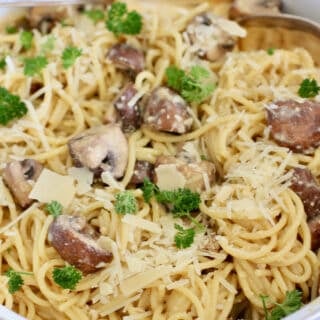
(11, 29)
(26, 38)
(291, 303)
(184, 237)
(95, 15)
(120, 21)
(308, 88)
(54, 208)
(33, 66)
(149, 190)
(67, 277)
(15, 280)
(126, 203)
(3, 63)
(69, 56)
(11, 107)
(183, 200)
(194, 86)
(270, 51)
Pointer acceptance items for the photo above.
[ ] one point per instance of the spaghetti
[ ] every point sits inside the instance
(257, 241)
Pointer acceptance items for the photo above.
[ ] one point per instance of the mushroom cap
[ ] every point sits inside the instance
(126, 57)
(167, 111)
(17, 175)
(76, 242)
(102, 148)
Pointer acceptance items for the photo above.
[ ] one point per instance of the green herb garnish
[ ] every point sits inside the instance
(67, 277)
(11, 29)
(194, 86)
(308, 88)
(126, 203)
(120, 21)
(3, 63)
(26, 38)
(184, 237)
(11, 107)
(291, 303)
(270, 51)
(95, 15)
(15, 280)
(54, 208)
(69, 56)
(33, 66)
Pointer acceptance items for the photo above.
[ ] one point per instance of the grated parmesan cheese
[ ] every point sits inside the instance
(169, 178)
(83, 177)
(141, 223)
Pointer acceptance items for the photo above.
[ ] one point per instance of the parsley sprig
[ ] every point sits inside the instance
(67, 277)
(26, 38)
(184, 237)
(54, 208)
(181, 202)
(69, 56)
(291, 303)
(308, 88)
(126, 203)
(11, 107)
(33, 66)
(95, 15)
(15, 280)
(121, 21)
(194, 86)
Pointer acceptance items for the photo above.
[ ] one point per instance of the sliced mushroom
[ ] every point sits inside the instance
(127, 106)
(314, 226)
(307, 188)
(76, 242)
(167, 111)
(197, 175)
(103, 148)
(19, 175)
(241, 8)
(295, 125)
(126, 57)
(45, 18)
(142, 170)
(211, 37)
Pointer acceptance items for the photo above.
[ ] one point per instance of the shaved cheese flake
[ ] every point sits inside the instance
(231, 27)
(108, 179)
(141, 280)
(83, 177)
(141, 223)
(178, 284)
(169, 178)
(138, 316)
(20, 217)
(52, 186)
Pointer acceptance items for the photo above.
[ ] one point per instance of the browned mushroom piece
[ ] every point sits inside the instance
(242, 8)
(45, 18)
(196, 174)
(211, 37)
(166, 111)
(76, 242)
(19, 175)
(307, 188)
(295, 125)
(103, 148)
(314, 226)
(127, 58)
(142, 170)
(128, 108)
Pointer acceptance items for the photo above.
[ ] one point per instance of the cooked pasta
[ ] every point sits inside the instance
(256, 239)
